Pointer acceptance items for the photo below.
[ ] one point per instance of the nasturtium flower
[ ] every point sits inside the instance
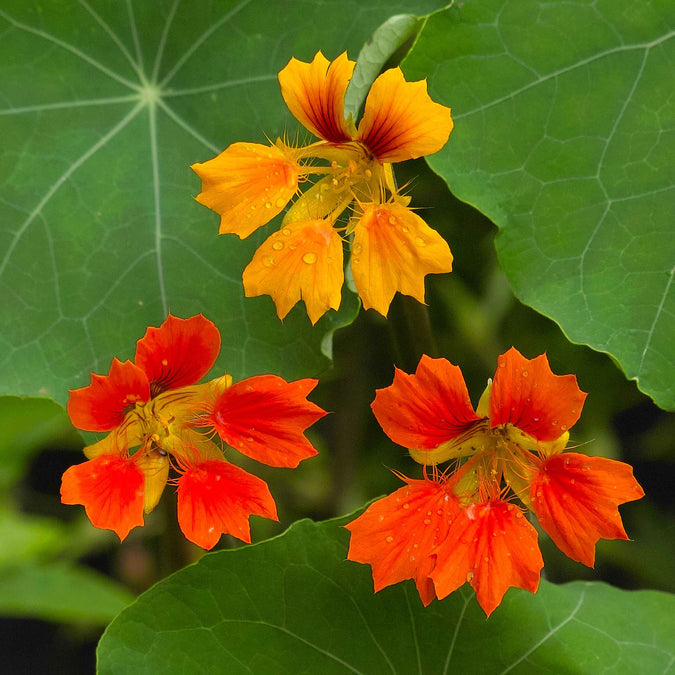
(158, 418)
(468, 522)
(350, 167)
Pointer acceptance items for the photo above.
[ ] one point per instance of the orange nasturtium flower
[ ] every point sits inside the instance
(461, 525)
(392, 248)
(158, 418)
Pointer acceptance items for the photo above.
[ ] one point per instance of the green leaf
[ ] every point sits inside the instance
(104, 107)
(60, 592)
(565, 138)
(294, 605)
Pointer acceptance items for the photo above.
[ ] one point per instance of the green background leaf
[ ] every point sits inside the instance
(104, 107)
(565, 138)
(294, 605)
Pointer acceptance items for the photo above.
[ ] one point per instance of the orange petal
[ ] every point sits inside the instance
(301, 261)
(110, 488)
(216, 497)
(248, 184)
(178, 353)
(400, 121)
(264, 418)
(315, 92)
(393, 250)
(102, 405)
(576, 497)
(527, 394)
(425, 409)
(397, 534)
(491, 546)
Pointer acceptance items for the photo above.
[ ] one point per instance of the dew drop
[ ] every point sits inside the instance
(357, 248)
(412, 558)
(309, 258)
(427, 521)
(390, 539)
(572, 481)
(554, 423)
(280, 202)
(252, 207)
(405, 230)
(286, 232)
(165, 362)
(420, 242)
(268, 205)
(406, 506)
(535, 419)
(563, 427)
(502, 364)
(392, 220)
(268, 261)
(381, 518)
(519, 515)
(278, 245)
(526, 373)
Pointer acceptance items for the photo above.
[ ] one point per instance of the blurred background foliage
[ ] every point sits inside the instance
(50, 551)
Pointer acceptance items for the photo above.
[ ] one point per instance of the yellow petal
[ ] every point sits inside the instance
(315, 92)
(393, 250)
(400, 121)
(118, 441)
(155, 468)
(301, 261)
(248, 184)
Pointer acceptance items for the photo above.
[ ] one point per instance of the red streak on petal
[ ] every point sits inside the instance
(178, 353)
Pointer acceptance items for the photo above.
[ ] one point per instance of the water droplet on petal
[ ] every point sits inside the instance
(286, 232)
(406, 506)
(268, 261)
(278, 245)
(392, 220)
(390, 539)
(427, 521)
(357, 248)
(280, 202)
(420, 242)
(526, 373)
(309, 258)
(268, 205)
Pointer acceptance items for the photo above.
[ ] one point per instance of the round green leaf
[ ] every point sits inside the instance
(565, 138)
(104, 106)
(294, 605)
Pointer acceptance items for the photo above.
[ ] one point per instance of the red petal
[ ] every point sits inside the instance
(101, 405)
(576, 497)
(397, 534)
(528, 395)
(178, 353)
(264, 417)
(110, 488)
(492, 547)
(425, 409)
(216, 497)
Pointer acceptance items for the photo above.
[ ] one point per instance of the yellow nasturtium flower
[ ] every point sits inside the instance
(392, 248)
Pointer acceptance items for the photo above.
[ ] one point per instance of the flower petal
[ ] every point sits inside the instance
(178, 353)
(396, 535)
(110, 488)
(301, 261)
(216, 497)
(527, 394)
(400, 121)
(264, 417)
(492, 547)
(248, 184)
(426, 409)
(315, 92)
(393, 250)
(576, 497)
(102, 405)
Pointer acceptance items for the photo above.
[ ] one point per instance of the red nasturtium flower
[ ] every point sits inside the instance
(158, 417)
(462, 525)
(392, 248)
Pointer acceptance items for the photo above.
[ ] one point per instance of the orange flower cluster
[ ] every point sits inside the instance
(158, 417)
(461, 525)
(392, 248)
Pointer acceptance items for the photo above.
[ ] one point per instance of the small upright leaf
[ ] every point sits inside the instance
(565, 138)
(294, 605)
